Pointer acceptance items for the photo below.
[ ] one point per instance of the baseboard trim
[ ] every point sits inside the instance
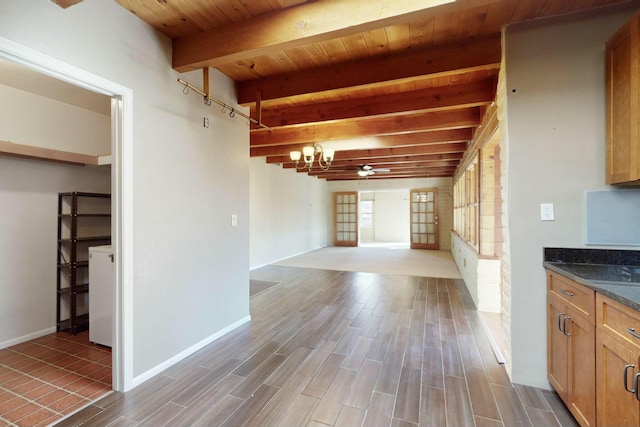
(494, 345)
(189, 351)
(27, 337)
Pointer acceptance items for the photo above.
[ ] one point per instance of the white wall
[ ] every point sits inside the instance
(445, 199)
(288, 213)
(35, 120)
(28, 226)
(29, 196)
(481, 275)
(190, 268)
(391, 216)
(556, 137)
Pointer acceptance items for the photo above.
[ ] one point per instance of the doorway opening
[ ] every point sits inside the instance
(117, 362)
(383, 218)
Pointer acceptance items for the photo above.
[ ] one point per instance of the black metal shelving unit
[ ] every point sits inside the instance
(84, 220)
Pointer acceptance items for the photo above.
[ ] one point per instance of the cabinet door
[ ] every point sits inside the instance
(616, 406)
(622, 105)
(581, 365)
(556, 346)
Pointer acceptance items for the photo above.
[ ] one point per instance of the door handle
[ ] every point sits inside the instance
(566, 292)
(635, 385)
(624, 379)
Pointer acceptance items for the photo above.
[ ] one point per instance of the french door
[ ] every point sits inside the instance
(346, 218)
(424, 219)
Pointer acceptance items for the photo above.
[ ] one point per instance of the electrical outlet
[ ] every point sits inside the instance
(546, 212)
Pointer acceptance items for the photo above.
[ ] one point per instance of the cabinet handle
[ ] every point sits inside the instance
(633, 333)
(560, 322)
(635, 385)
(564, 326)
(624, 379)
(567, 293)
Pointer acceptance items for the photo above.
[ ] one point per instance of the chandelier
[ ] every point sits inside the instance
(325, 157)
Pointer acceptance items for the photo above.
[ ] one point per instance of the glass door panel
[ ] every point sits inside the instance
(424, 219)
(346, 218)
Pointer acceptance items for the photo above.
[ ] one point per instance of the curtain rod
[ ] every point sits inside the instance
(208, 99)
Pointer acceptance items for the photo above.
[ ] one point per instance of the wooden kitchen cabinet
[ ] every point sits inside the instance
(617, 362)
(623, 104)
(571, 345)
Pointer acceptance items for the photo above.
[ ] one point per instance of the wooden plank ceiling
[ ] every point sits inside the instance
(395, 84)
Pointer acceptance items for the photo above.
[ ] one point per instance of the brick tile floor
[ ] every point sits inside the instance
(45, 379)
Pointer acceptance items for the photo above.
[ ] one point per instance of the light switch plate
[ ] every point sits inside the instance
(546, 212)
(234, 220)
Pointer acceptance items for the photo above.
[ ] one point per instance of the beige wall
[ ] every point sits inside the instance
(188, 267)
(556, 151)
(287, 213)
(391, 216)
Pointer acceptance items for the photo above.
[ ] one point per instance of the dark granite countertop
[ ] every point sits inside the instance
(613, 273)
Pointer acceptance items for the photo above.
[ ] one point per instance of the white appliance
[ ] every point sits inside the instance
(101, 294)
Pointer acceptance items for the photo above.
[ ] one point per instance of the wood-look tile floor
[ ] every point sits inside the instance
(44, 379)
(328, 348)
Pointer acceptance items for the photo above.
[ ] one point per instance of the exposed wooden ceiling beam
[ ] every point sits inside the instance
(459, 147)
(396, 167)
(66, 3)
(433, 99)
(404, 140)
(364, 155)
(294, 27)
(388, 162)
(397, 84)
(286, 162)
(354, 176)
(370, 126)
(481, 54)
(390, 172)
(319, 172)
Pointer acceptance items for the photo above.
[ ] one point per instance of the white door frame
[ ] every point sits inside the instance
(121, 187)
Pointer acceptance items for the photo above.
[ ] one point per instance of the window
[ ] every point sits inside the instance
(466, 204)
(366, 213)
(477, 201)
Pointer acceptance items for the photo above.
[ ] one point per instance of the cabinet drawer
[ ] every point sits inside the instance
(618, 320)
(579, 297)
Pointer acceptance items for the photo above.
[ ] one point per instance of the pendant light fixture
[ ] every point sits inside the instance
(325, 157)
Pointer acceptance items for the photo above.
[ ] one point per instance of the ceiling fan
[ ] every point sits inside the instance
(366, 170)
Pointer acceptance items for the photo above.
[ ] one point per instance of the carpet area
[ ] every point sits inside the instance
(257, 286)
(383, 260)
